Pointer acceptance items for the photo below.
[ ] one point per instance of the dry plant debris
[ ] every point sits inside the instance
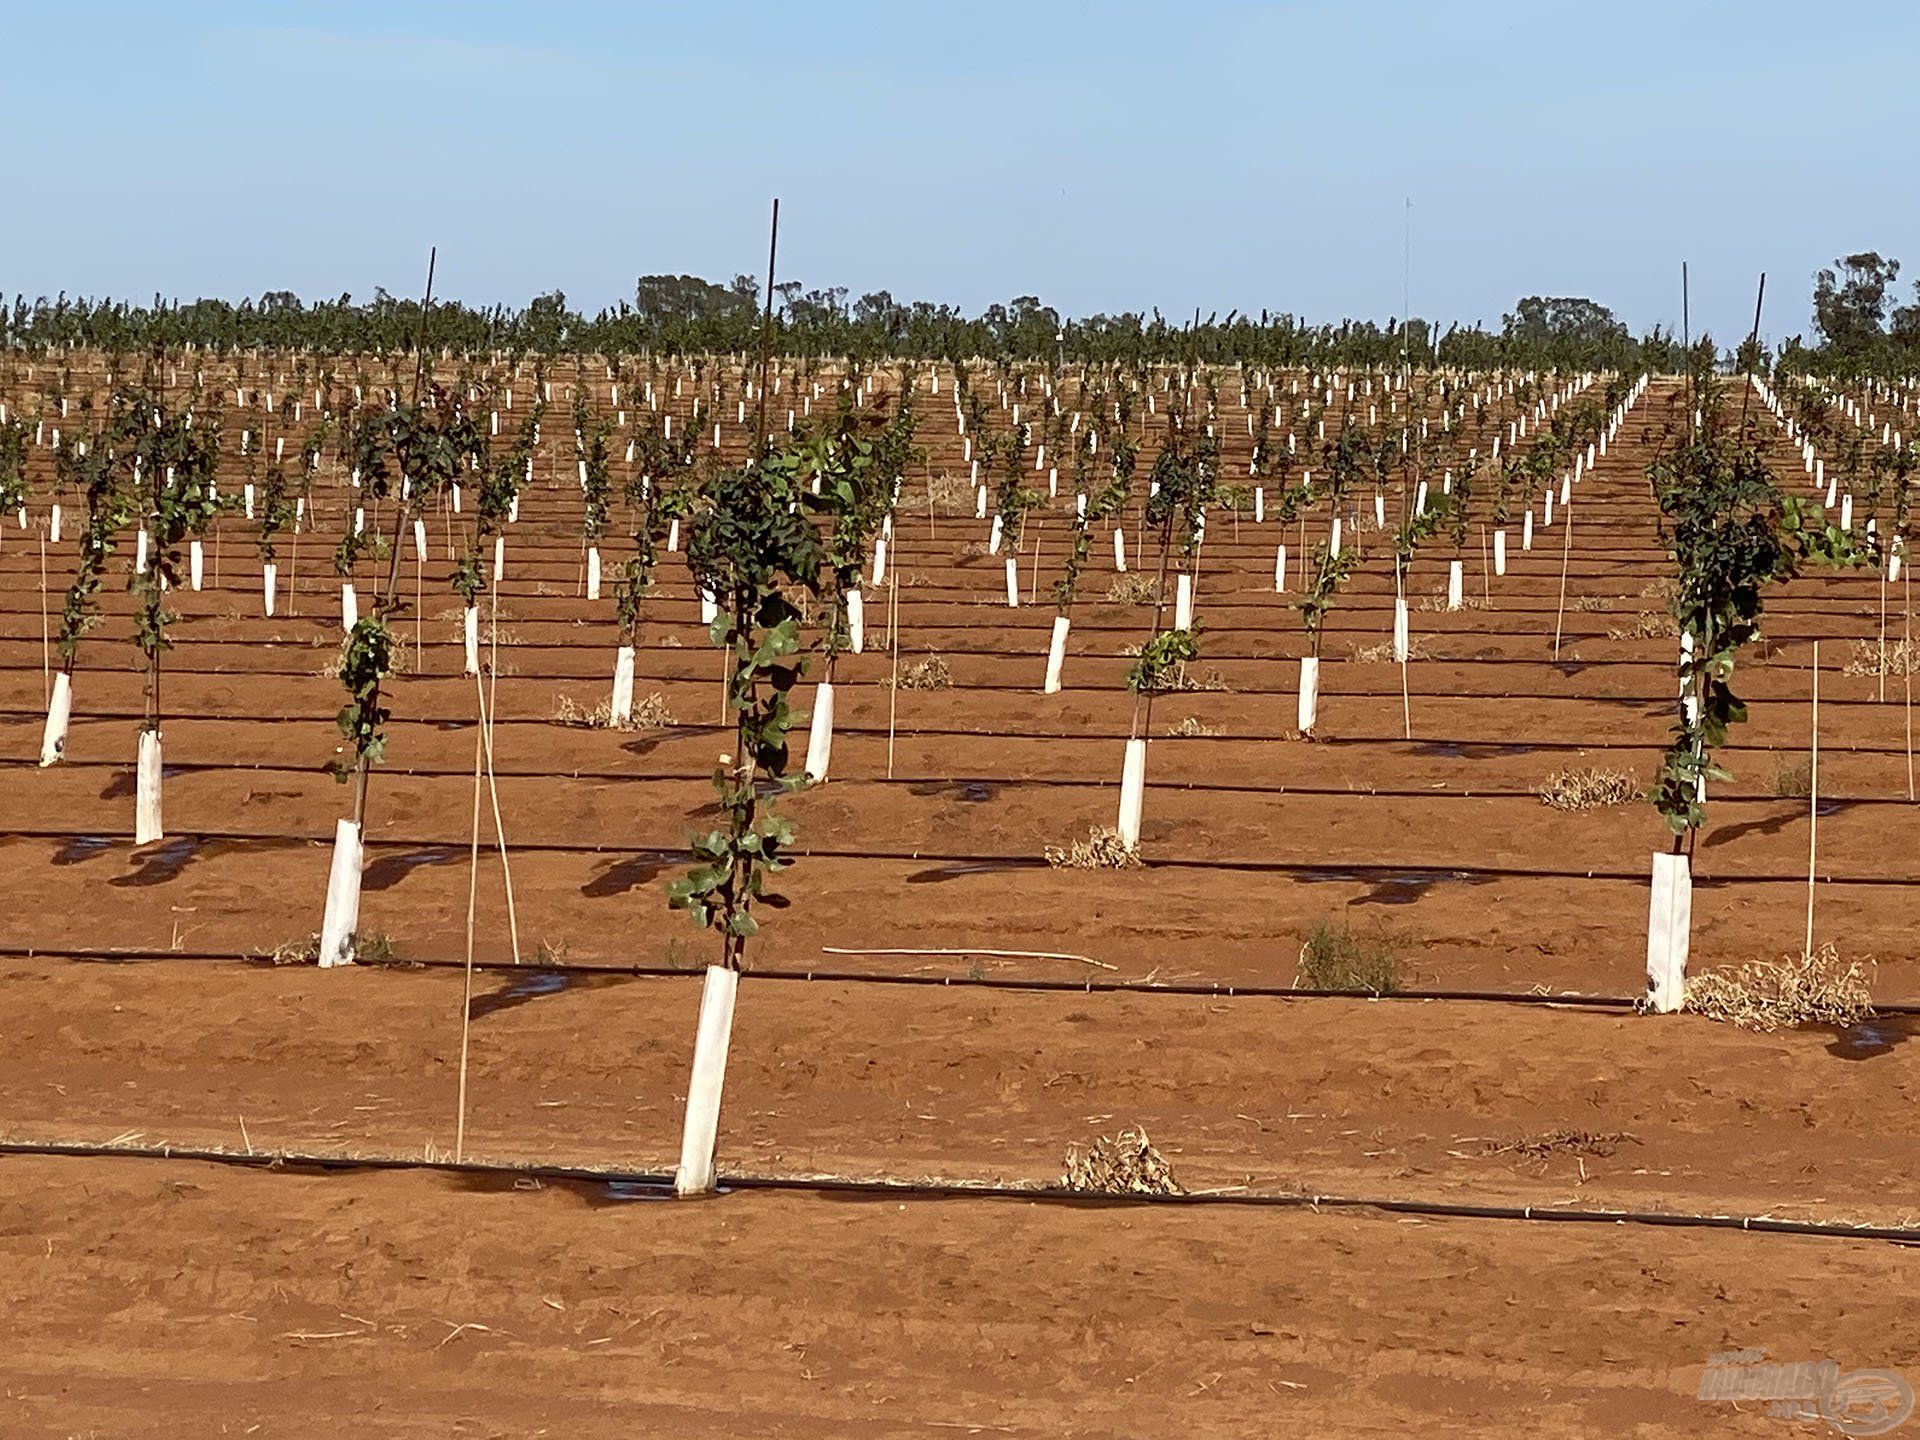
(1103, 849)
(1769, 995)
(1123, 1164)
(650, 712)
(1589, 789)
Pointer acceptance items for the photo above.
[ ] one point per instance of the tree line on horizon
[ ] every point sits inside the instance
(680, 314)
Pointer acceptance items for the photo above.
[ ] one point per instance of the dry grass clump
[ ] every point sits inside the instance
(950, 495)
(1178, 677)
(1792, 780)
(1646, 625)
(975, 550)
(1333, 959)
(1191, 729)
(1589, 789)
(1764, 995)
(1382, 654)
(650, 712)
(1123, 1164)
(927, 673)
(399, 658)
(372, 947)
(1438, 601)
(1103, 849)
(1590, 603)
(1871, 658)
(1563, 1142)
(1133, 590)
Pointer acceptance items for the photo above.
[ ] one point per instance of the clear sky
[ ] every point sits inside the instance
(1107, 156)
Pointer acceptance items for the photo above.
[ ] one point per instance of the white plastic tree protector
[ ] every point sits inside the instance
(1133, 792)
(673, 536)
(1013, 583)
(979, 497)
(196, 563)
(1669, 933)
(1119, 550)
(140, 552)
(349, 607)
(269, 584)
(879, 562)
(1380, 509)
(470, 633)
(621, 710)
(499, 557)
(1333, 540)
(1259, 504)
(820, 733)
(1526, 530)
(1183, 601)
(342, 915)
(1400, 645)
(420, 540)
(146, 803)
(994, 535)
(53, 525)
(593, 572)
(53, 740)
(1057, 653)
(857, 620)
(1500, 552)
(1309, 693)
(1456, 585)
(701, 1133)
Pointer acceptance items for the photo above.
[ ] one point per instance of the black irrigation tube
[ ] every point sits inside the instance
(947, 782)
(1095, 985)
(1087, 985)
(1358, 873)
(661, 1184)
(944, 782)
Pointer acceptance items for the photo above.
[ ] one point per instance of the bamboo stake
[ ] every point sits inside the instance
(1813, 795)
(47, 663)
(893, 639)
(1566, 553)
(466, 990)
(489, 709)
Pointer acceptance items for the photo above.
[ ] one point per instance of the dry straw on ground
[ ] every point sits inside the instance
(1647, 625)
(929, 673)
(1870, 658)
(1103, 849)
(1191, 728)
(1768, 995)
(1133, 590)
(650, 712)
(1588, 789)
(1382, 654)
(1123, 1164)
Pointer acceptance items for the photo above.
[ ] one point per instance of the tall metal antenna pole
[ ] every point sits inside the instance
(1753, 351)
(766, 326)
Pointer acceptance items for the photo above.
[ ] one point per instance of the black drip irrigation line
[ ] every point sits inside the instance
(688, 731)
(951, 782)
(661, 1185)
(1310, 872)
(1209, 989)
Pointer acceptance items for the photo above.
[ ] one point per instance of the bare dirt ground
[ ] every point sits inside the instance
(156, 1297)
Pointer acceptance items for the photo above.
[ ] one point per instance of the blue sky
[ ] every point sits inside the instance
(1102, 156)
